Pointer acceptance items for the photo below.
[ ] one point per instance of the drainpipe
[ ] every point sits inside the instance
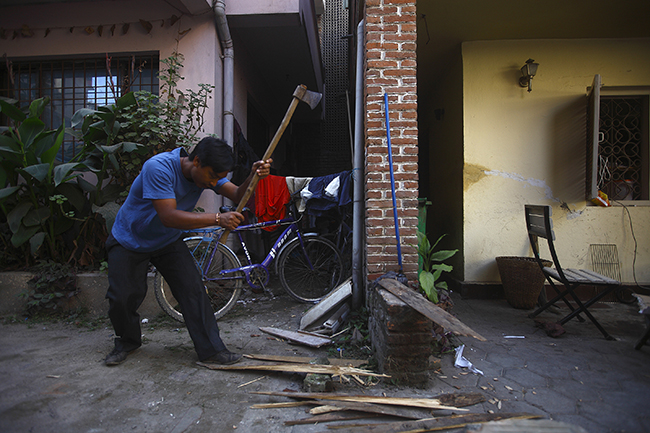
(358, 277)
(221, 22)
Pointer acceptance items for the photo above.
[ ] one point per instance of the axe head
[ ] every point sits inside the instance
(311, 98)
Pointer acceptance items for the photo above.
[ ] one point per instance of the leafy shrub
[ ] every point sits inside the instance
(432, 266)
(50, 210)
(38, 199)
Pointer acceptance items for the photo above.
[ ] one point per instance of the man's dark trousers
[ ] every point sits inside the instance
(127, 278)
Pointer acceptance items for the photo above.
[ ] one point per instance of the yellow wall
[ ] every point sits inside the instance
(522, 147)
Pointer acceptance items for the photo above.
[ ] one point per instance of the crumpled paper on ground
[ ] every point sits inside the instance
(462, 362)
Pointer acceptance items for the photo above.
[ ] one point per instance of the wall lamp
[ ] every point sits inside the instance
(528, 71)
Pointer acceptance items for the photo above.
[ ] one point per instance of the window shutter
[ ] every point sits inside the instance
(593, 126)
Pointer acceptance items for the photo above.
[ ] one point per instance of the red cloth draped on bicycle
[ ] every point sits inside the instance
(271, 196)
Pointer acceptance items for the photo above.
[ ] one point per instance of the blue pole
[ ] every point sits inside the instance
(392, 184)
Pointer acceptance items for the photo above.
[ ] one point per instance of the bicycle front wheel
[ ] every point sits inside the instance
(310, 274)
(222, 291)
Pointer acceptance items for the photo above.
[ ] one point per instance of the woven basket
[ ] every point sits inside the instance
(522, 280)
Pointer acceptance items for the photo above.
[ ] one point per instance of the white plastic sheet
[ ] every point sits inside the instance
(462, 362)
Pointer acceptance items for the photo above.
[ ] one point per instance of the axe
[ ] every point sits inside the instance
(300, 94)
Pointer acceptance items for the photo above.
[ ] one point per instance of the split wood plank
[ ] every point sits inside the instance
(428, 309)
(329, 417)
(283, 404)
(328, 408)
(427, 403)
(379, 409)
(334, 370)
(435, 424)
(296, 337)
(307, 360)
(456, 400)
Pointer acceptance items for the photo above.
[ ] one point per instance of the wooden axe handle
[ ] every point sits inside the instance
(297, 94)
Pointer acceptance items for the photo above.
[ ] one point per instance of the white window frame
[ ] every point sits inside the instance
(594, 95)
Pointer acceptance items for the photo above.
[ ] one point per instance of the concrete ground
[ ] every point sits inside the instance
(54, 379)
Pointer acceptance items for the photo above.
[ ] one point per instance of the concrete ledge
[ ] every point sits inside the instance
(91, 296)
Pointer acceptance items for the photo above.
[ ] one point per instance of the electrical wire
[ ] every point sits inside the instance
(629, 216)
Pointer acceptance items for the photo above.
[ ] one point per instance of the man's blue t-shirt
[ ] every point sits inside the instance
(137, 226)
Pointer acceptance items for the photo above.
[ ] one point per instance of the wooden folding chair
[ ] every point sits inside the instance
(540, 225)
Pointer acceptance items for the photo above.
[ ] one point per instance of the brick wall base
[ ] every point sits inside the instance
(402, 339)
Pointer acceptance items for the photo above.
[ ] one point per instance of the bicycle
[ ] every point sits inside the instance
(335, 227)
(309, 266)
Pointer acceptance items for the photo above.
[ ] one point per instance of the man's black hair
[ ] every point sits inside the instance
(214, 153)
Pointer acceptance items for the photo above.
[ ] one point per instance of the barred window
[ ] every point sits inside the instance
(71, 84)
(619, 146)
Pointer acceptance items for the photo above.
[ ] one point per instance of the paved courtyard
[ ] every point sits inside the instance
(54, 378)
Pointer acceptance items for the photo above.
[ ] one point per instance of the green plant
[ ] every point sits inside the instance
(172, 119)
(38, 200)
(120, 137)
(49, 210)
(51, 283)
(432, 266)
(115, 162)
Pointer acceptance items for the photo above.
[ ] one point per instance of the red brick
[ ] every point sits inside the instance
(399, 72)
(382, 64)
(382, 28)
(381, 11)
(382, 81)
(400, 54)
(401, 37)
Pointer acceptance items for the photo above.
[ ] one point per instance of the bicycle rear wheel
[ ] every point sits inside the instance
(223, 292)
(307, 283)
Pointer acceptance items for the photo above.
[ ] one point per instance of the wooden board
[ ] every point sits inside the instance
(428, 403)
(328, 304)
(329, 417)
(334, 370)
(297, 337)
(380, 409)
(307, 360)
(283, 404)
(428, 309)
(436, 424)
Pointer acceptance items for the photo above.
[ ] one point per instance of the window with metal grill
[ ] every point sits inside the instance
(71, 84)
(619, 144)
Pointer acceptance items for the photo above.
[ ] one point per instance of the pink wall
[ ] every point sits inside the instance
(199, 45)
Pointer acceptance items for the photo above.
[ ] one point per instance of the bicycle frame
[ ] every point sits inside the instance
(212, 235)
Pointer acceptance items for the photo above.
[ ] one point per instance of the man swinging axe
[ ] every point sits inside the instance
(148, 229)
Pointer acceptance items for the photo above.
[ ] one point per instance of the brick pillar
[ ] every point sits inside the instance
(391, 69)
(402, 339)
